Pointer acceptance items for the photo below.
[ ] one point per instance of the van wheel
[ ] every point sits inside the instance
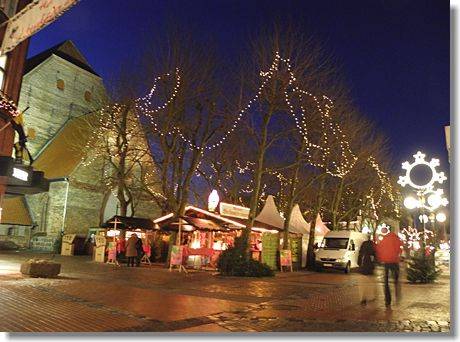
(347, 268)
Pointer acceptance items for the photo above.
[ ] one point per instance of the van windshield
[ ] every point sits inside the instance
(336, 243)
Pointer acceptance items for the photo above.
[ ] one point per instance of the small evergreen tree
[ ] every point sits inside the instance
(235, 261)
(421, 268)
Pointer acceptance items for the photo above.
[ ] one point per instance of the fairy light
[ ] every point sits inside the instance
(145, 106)
(8, 105)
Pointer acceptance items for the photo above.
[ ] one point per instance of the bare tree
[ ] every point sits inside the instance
(181, 112)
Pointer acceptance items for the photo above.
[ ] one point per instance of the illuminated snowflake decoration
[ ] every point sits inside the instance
(436, 176)
(383, 229)
(429, 198)
(411, 237)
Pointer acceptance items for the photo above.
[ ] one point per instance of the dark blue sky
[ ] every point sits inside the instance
(394, 53)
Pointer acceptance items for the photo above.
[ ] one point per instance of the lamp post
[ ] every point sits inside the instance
(427, 197)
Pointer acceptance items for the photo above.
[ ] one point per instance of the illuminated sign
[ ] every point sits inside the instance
(20, 174)
(232, 210)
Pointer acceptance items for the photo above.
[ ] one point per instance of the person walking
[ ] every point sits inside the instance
(388, 253)
(366, 263)
(131, 251)
(140, 252)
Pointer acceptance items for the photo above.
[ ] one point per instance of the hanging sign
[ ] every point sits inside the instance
(31, 19)
(176, 255)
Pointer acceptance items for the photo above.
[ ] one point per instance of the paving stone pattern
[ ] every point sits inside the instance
(91, 297)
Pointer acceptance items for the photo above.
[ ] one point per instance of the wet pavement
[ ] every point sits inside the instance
(96, 297)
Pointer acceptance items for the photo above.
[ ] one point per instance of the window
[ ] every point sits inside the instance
(88, 96)
(2, 70)
(60, 84)
(336, 243)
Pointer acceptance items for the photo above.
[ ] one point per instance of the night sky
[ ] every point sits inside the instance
(395, 54)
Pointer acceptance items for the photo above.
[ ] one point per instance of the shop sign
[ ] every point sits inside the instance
(100, 240)
(231, 210)
(176, 255)
(31, 19)
(68, 238)
(285, 258)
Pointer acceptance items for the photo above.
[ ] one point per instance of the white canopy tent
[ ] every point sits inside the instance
(270, 214)
(297, 222)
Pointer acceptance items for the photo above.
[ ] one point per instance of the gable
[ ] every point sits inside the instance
(66, 50)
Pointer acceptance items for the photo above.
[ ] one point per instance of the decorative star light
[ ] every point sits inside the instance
(436, 176)
(429, 198)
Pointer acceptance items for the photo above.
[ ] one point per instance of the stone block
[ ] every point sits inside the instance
(40, 268)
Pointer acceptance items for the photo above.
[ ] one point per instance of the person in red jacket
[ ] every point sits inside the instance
(388, 252)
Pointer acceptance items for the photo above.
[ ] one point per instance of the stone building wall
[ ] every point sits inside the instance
(19, 235)
(51, 106)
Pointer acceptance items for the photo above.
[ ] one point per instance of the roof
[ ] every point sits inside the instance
(320, 227)
(127, 222)
(192, 213)
(66, 50)
(297, 223)
(15, 212)
(202, 223)
(270, 214)
(67, 148)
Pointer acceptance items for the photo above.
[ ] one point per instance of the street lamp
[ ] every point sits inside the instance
(428, 198)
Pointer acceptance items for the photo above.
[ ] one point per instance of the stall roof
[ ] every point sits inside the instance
(297, 223)
(130, 222)
(270, 214)
(231, 223)
(320, 227)
(203, 224)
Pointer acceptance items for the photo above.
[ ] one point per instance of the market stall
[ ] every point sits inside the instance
(120, 228)
(205, 234)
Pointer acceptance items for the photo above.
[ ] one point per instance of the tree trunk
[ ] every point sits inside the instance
(105, 199)
(311, 240)
(257, 180)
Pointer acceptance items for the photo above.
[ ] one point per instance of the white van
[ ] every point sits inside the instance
(340, 250)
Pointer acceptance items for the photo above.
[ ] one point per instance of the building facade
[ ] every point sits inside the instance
(60, 92)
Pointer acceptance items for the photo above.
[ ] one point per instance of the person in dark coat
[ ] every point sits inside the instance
(131, 252)
(366, 257)
(140, 252)
(367, 285)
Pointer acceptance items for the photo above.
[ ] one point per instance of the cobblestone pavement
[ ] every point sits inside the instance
(95, 297)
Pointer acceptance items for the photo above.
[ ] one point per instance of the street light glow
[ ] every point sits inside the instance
(441, 217)
(423, 218)
(410, 203)
(434, 200)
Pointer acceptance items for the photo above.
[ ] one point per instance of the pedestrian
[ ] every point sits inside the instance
(388, 253)
(131, 252)
(140, 251)
(121, 247)
(366, 263)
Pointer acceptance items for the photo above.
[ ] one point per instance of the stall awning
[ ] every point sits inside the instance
(130, 223)
(203, 224)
